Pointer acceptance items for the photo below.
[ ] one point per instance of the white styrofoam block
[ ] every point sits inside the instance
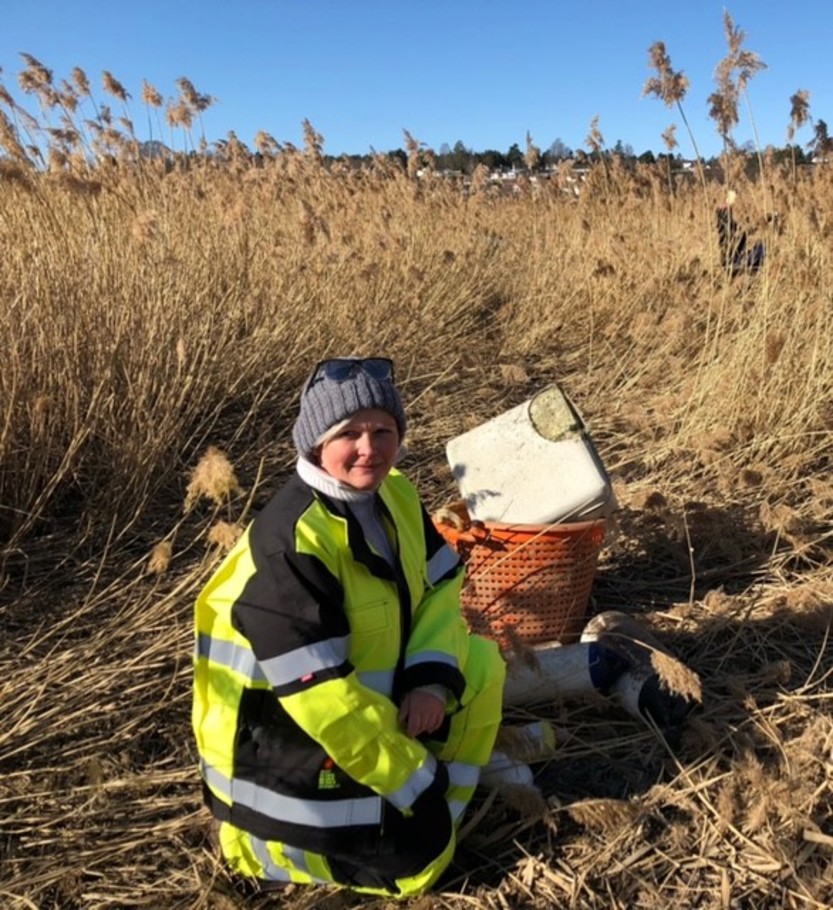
(508, 472)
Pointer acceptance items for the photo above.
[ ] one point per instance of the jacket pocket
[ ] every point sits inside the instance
(367, 619)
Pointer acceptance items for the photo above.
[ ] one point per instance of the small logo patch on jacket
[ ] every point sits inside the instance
(326, 776)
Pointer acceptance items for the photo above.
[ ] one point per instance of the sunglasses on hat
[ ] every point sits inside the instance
(340, 369)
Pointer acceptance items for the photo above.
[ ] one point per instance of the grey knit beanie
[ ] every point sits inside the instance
(326, 402)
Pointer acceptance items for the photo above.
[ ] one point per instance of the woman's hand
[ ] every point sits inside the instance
(421, 712)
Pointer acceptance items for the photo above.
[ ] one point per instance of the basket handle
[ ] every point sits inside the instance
(478, 532)
(479, 535)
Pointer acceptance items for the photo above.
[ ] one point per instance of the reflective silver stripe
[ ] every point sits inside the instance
(234, 657)
(317, 814)
(420, 780)
(430, 657)
(456, 808)
(380, 681)
(297, 858)
(271, 871)
(323, 655)
(444, 560)
(462, 775)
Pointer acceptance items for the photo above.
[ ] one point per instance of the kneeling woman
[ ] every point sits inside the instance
(342, 709)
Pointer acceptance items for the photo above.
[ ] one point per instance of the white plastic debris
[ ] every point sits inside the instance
(534, 464)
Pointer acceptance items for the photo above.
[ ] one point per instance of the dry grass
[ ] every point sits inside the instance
(153, 312)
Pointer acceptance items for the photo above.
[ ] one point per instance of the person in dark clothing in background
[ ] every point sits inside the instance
(736, 253)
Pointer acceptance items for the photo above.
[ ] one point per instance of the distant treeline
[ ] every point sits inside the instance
(463, 160)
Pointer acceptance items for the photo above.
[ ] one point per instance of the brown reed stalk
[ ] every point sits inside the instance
(670, 86)
(313, 144)
(532, 154)
(669, 140)
(82, 84)
(799, 116)
(594, 140)
(266, 144)
(113, 87)
(732, 76)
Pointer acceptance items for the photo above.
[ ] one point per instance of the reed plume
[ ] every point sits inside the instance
(82, 84)
(532, 155)
(179, 114)
(10, 141)
(224, 535)
(313, 143)
(6, 98)
(113, 87)
(732, 76)
(213, 478)
(266, 144)
(150, 95)
(799, 112)
(413, 147)
(36, 76)
(595, 140)
(68, 97)
(195, 100)
(160, 558)
(669, 140)
(670, 86)
(676, 677)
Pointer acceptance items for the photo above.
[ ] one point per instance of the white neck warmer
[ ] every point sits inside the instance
(362, 503)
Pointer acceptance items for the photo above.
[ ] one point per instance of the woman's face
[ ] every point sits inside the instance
(362, 453)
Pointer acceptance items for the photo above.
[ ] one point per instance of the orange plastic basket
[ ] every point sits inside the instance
(527, 581)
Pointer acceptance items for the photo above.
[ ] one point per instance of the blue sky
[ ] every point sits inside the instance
(478, 71)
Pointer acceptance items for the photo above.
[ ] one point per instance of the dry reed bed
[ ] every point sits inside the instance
(153, 313)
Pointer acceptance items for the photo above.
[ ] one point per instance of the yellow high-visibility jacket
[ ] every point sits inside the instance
(306, 641)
